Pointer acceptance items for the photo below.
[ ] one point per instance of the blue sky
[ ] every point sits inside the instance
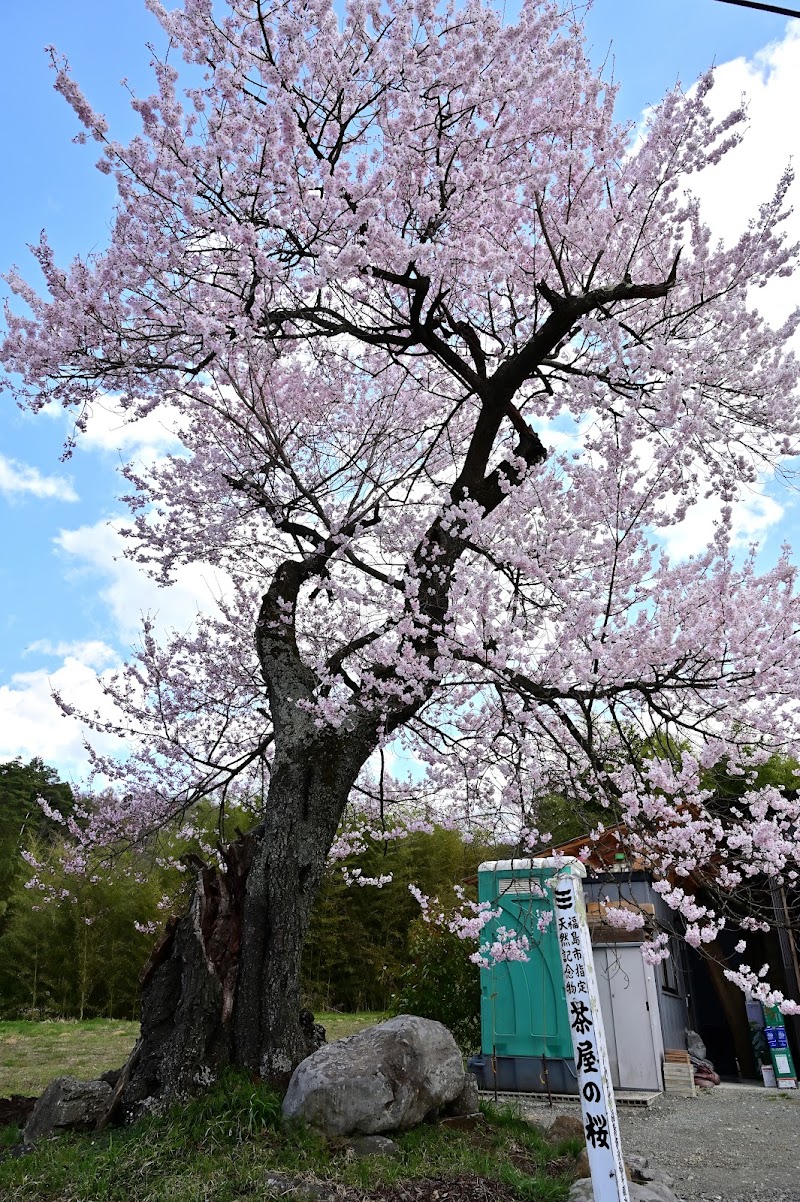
(68, 607)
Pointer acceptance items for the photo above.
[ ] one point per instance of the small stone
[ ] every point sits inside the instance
(17, 1150)
(372, 1145)
(537, 1124)
(583, 1170)
(279, 1184)
(566, 1126)
(641, 1172)
(298, 1189)
(582, 1191)
(652, 1192)
(656, 1176)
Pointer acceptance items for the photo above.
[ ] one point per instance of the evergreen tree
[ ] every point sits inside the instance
(22, 818)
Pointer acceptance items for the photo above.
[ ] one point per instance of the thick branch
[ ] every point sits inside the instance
(566, 311)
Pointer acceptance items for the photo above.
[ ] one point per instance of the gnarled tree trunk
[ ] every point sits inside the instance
(222, 986)
(306, 800)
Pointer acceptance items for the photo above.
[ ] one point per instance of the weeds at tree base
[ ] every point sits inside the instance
(219, 1147)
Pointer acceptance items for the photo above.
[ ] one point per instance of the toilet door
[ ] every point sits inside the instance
(629, 1003)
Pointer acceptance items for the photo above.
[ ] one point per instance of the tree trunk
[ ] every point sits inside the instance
(282, 884)
(222, 986)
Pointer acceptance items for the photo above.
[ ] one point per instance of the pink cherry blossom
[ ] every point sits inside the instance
(375, 261)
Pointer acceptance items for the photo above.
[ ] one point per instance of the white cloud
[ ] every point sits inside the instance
(110, 429)
(92, 652)
(97, 550)
(31, 724)
(754, 516)
(563, 434)
(16, 477)
(731, 192)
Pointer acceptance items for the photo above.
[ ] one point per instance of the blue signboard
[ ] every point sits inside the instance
(775, 1032)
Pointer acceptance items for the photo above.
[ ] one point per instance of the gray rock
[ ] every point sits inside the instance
(656, 1177)
(581, 1191)
(365, 1146)
(654, 1191)
(67, 1105)
(565, 1126)
(386, 1078)
(468, 1101)
(583, 1169)
(541, 1119)
(641, 1171)
(298, 1189)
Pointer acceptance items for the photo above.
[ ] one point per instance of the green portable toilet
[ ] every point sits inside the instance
(526, 1043)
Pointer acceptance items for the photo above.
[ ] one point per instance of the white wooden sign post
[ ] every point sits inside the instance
(601, 1128)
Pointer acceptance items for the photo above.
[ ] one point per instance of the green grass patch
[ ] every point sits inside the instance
(220, 1147)
(337, 1025)
(32, 1054)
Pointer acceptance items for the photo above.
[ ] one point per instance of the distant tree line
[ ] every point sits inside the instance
(75, 947)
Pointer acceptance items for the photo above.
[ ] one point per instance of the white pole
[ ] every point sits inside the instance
(601, 1128)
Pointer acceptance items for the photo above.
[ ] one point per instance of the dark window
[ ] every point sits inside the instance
(670, 968)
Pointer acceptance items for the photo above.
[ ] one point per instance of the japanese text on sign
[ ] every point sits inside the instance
(601, 1128)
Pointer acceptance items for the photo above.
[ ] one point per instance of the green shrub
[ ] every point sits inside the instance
(441, 982)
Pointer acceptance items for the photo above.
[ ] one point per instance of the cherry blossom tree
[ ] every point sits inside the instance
(447, 348)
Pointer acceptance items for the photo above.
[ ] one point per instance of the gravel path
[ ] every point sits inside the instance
(729, 1144)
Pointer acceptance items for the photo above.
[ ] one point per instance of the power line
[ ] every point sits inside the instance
(765, 8)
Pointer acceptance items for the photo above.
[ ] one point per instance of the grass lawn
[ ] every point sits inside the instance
(33, 1053)
(338, 1025)
(221, 1147)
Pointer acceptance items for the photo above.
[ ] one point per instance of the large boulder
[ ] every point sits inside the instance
(582, 1191)
(386, 1078)
(67, 1105)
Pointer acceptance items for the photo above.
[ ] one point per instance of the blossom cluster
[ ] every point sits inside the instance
(448, 354)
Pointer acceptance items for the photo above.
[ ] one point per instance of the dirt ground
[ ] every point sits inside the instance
(729, 1144)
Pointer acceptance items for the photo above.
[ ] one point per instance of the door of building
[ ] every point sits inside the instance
(629, 1002)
